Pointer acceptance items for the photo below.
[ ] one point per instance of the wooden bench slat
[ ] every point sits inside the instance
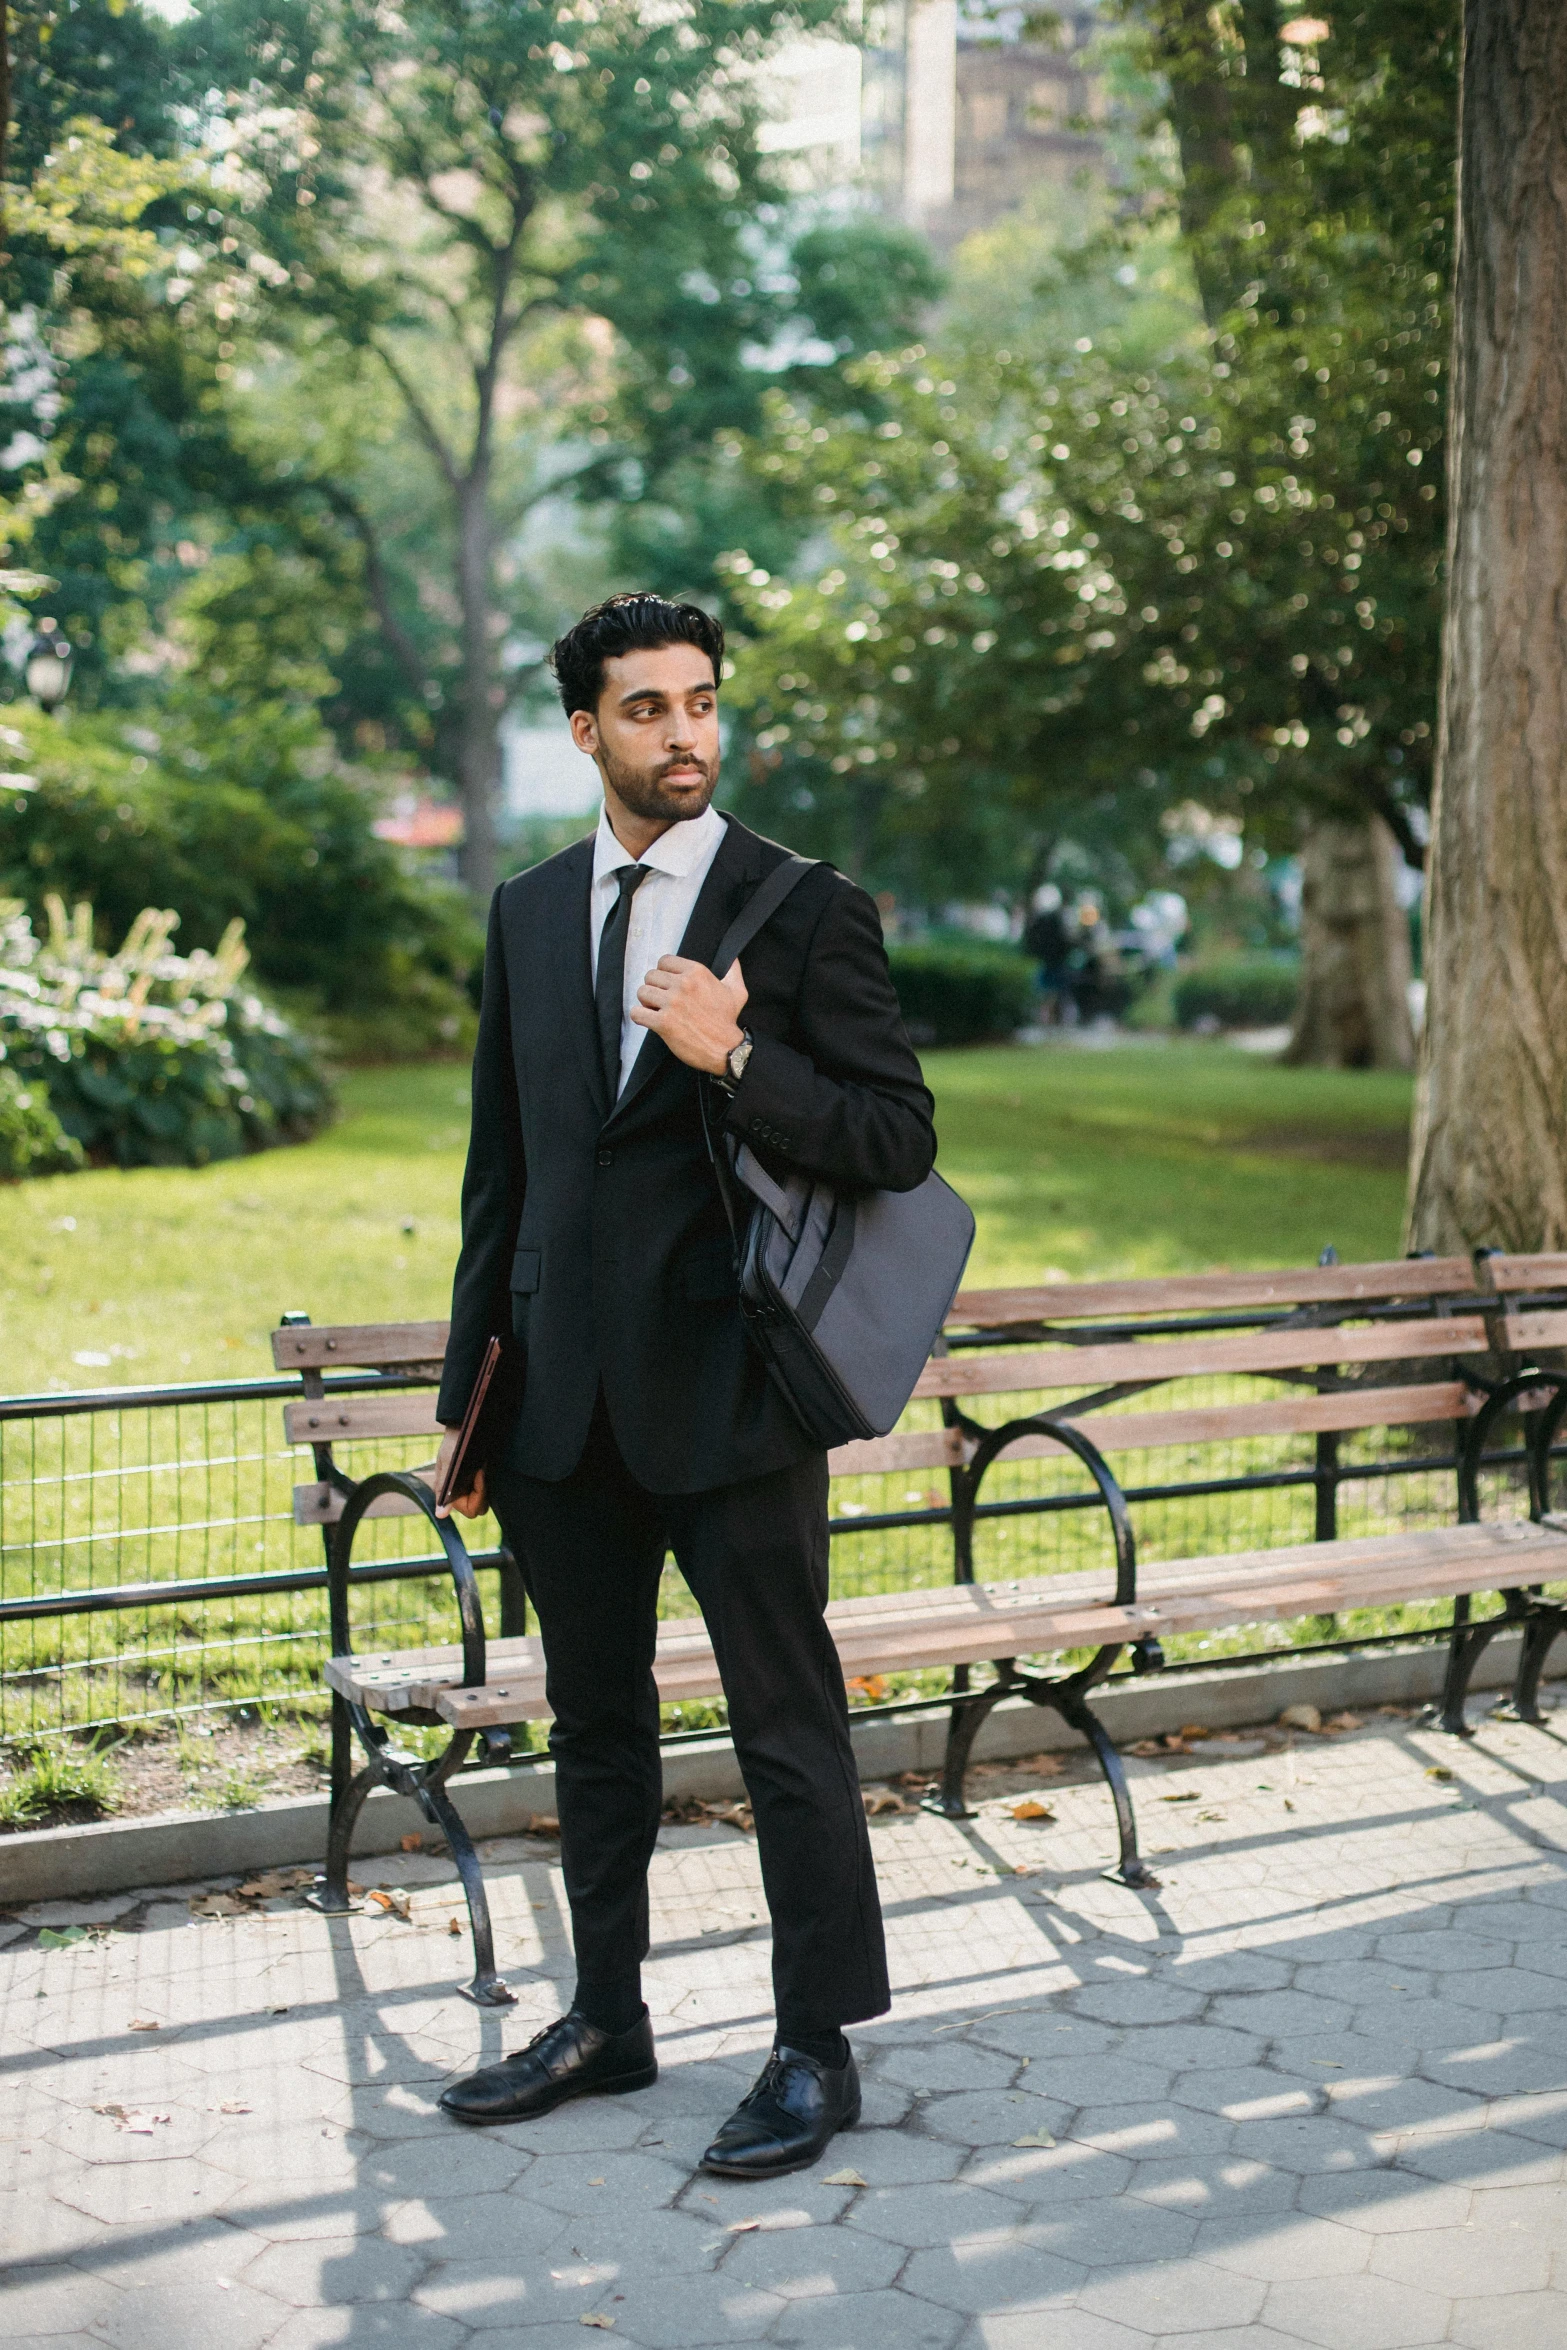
(1065, 1301)
(930, 1448)
(1528, 1331)
(336, 1419)
(958, 1623)
(358, 1346)
(1257, 1353)
(1298, 1415)
(1546, 1271)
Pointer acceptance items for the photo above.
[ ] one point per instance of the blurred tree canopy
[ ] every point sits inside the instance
(1054, 582)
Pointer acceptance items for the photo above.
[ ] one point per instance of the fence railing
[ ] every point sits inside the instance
(151, 1566)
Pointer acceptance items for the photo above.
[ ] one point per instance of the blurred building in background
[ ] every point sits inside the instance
(949, 120)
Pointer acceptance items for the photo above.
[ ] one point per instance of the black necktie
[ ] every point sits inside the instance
(610, 986)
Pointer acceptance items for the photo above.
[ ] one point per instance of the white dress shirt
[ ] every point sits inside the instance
(677, 865)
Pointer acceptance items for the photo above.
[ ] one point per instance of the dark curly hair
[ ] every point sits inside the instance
(635, 623)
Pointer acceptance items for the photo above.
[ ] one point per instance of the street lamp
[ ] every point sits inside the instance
(48, 668)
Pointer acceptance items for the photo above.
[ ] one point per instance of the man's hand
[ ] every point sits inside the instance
(467, 1505)
(696, 1013)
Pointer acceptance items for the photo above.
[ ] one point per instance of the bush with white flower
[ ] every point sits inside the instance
(146, 1057)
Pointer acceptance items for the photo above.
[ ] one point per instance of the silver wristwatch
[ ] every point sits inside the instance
(735, 1065)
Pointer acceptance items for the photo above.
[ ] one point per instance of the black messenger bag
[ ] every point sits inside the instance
(843, 1297)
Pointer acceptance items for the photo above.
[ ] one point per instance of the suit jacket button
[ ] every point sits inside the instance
(606, 1158)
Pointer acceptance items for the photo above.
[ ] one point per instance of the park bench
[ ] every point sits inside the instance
(1415, 1343)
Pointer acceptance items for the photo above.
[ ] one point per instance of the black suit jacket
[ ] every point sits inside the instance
(596, 1234)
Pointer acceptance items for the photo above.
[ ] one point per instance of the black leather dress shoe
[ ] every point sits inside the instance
(570, 2059)
(788, 2118)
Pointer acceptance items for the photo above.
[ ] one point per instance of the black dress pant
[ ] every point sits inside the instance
(591, 1548)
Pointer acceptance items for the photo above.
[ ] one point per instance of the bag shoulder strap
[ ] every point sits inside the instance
(759, 909)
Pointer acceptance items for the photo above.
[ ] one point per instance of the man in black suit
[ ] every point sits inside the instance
(594, 1234)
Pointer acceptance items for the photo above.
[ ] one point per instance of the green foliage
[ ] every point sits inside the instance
(32, 1140)
(961, 994)
(151, 1058)
(241, 811)
(1238, 991)
(59, 1779)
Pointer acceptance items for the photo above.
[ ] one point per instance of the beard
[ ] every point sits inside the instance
(646, 792)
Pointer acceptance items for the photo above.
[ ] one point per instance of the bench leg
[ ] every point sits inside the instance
(330, 1893)
(1468, 1644)
(487, 1989)
(1540, 1633)
(964, 1724)
(1074, 1709)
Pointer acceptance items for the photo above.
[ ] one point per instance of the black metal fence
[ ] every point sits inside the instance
(151, 1566)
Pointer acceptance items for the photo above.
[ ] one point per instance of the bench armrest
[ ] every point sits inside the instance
(340, 1543)
(1477, 1432)
(1065, 1432)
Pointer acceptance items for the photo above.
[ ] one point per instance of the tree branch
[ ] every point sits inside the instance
(424, 422)
(378, 586)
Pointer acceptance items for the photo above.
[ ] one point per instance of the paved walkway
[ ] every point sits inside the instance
(1312, 2092)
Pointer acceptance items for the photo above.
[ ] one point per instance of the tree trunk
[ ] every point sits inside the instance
(479, 742)
(1354, 987)
(1489, 1165)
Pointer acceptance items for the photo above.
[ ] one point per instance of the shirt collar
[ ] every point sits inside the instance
(678, 852)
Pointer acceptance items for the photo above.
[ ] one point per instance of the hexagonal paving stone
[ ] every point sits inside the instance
(807, 2261)
(583, 2183)
(670, 2313)
(1112, 2232)
(1301, 2247)
(1174, 2298)
(1280, 2015)
(1067, 2329)
(1011, 2271)
(150, 2317)
(1464, 2262)
(474, 2227)
(1308, 2143)
(56, 2300)
(867, 2321)
(1142, 2131)
(1512, 2321)
(1357, 2313)
(1196, 2047)
(918, 2216)
(1123, 1999)
(1101, 2080)
(1213, 2184)
(993, 2117)
(1451, 1952)
(121, 2191)
(948, 2064)
(1482, 2158)
(461, 2163)
(1250, 2093)
(900, 2158)
(1505, 1990)
(334, 2272)
(1384, 2202)
(1232, 1970)
(367, 2326)
(1045, 2176)
(1043, 2031)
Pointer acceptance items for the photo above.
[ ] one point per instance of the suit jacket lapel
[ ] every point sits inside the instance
(571, 959)
(733, 873)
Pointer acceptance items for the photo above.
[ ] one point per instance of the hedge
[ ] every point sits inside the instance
(1239, 991)
(960, 994)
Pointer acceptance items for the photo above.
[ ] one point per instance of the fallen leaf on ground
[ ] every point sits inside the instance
(1288, 1805)
(1146, 1746)
(1210, 1815)
(133, 2122)
(215, 1905)
(880, 1799)
(1300, 1717)
(595, 2182)
(411, 1843)
(393, 1901)
(144, 2023)
(1343, 1722)
(596, 2317)
(743, 2227)
(544, 1823)
(1193, 1730)
(235, 2105)
(1331, 2062)
(1190, 1796)
(1035, 2138)
(49, 1939)
(1439, 1771)
(844, 2178)
(1032, 1809)
(452, 1927)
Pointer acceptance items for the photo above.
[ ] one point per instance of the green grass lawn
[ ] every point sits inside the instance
(1140, 1160)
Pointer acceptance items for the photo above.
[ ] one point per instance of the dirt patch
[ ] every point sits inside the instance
(1374, 1146)
(231, 1766)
